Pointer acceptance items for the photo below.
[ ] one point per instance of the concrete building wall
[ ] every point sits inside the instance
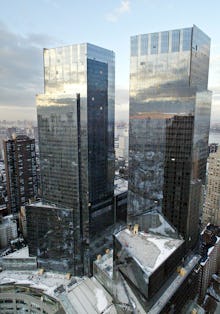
(209, 267)
(8, 230)
(211, 210)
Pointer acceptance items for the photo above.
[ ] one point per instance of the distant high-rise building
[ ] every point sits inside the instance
(213, 147)
(211, 210)
(76, 143)
(3, 189)
(8, 230)
(20, 168)
(169, 126)
(121, 151)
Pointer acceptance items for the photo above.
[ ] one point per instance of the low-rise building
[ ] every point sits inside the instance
(37, 291)
(146, 272)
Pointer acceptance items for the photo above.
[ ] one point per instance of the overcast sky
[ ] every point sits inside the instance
(27, 26)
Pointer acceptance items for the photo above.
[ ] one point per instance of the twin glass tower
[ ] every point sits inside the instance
(76, 127)
(76, 142)
(169, 128)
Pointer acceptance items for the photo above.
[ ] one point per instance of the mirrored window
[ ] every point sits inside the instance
(187, 39)
(164, 42)
(154, 43)
(175, 40)
(134, 46)
(144, 44)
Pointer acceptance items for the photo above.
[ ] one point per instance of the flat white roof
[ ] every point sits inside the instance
(148, 249)
(90, 297)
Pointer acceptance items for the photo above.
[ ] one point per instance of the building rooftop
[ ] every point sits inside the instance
(90, 297)
(47, 282)
(210, 237)
(5, 220)
(22, 253)
(121, 186)
(161, 227)
(153, 221)
(77, 295)
(41, 204)
(150, 250)
(105, 263)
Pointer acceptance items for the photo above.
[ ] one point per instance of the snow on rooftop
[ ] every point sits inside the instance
(106, 263)
(148, 249)
(164, 229)
(90, 297)
(7, 219)
(48, 282)
(121, 186)
(40, 204)
(22, 253)
(101, 299)
(209, 252)
(82, 295)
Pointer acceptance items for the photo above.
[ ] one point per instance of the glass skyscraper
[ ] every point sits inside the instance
(169, 126)
(76, 140)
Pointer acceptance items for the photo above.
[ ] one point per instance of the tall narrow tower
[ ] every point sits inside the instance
(169, 126)
(21, 172)
(76, 141)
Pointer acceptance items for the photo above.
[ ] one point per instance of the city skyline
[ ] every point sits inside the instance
(110, 25)
(122, 247)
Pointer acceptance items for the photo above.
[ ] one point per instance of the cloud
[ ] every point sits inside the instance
(119, 11)
(21, 69)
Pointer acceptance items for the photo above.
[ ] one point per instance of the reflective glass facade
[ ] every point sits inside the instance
(169, 125)
(76, 136)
